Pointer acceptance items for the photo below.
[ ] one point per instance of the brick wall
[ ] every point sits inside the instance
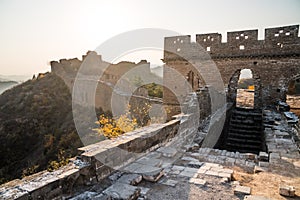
(274, 61)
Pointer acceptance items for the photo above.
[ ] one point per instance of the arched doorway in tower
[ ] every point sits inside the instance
(293, 95)
(245, 90)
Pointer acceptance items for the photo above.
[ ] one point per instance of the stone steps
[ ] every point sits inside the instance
(243, 148)
(254, 141)
(244, 122)
(245, 127)
(245, 131)
(243, 134)
(246, 112)
(244, 117)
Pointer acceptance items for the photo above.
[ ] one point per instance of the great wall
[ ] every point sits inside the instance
(191, 149)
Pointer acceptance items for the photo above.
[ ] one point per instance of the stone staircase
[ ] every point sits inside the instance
(245, 132)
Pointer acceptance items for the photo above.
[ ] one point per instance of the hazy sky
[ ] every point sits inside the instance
(36, 32)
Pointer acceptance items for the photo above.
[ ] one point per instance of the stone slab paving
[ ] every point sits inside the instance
(144, 191)
(168, 151)
(149, 161)
(170, 182)
(145, 178)
(86, 195)
(187, 173)
(279, 138)
(122, 191)
(131, 179)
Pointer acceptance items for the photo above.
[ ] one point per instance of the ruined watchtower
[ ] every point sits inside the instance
(274, 61)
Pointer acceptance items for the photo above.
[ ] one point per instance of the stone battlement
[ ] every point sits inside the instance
(278, 42)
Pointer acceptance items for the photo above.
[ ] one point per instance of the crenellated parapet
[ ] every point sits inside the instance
(278, 42)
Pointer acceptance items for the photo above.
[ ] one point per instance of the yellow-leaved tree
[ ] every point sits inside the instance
(111, 128)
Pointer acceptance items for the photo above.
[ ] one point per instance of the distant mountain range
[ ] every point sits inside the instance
(17, 78)
(5, 85)
(7, 82)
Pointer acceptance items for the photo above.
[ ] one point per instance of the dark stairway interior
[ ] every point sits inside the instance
(244, 132)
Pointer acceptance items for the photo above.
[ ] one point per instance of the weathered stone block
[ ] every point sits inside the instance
(131, 179)
(186, 158)
(170, 182)
(225, 175)
(187, 174)
(288, 191)
(224, 180)
(240, 162)
(211, 173)
(230, 161)
(154, 154)
(201, 171)
(189, 169)
(223, 153)
(15, 194)
(197, 181)
(274, 157)
(195, 164)
(254, 197)
(177, 167)
(242, 190)
(167, 151)
(216, 169)
(258, 169)
(87, 195)
(237, 155)
(211, 158)
(205, 167)
(144, 191)
(228, 154)
(101, 197)
(250, 165)
(152, 162)
(229, 171)
(175, 172)
(122, 191)
(153, 176)
(115, 176)
(264, 164)
(103, 172)
(263, 156)
(212, 165)
(147, 169)
(250, 156)
(196, 155)
(232, 155)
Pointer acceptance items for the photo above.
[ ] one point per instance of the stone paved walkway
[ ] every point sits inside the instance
(170, 174)
(195, 173)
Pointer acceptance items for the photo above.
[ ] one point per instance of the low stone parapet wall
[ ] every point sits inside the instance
(94, 163)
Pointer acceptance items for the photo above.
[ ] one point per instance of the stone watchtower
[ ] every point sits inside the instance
(274, 61)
